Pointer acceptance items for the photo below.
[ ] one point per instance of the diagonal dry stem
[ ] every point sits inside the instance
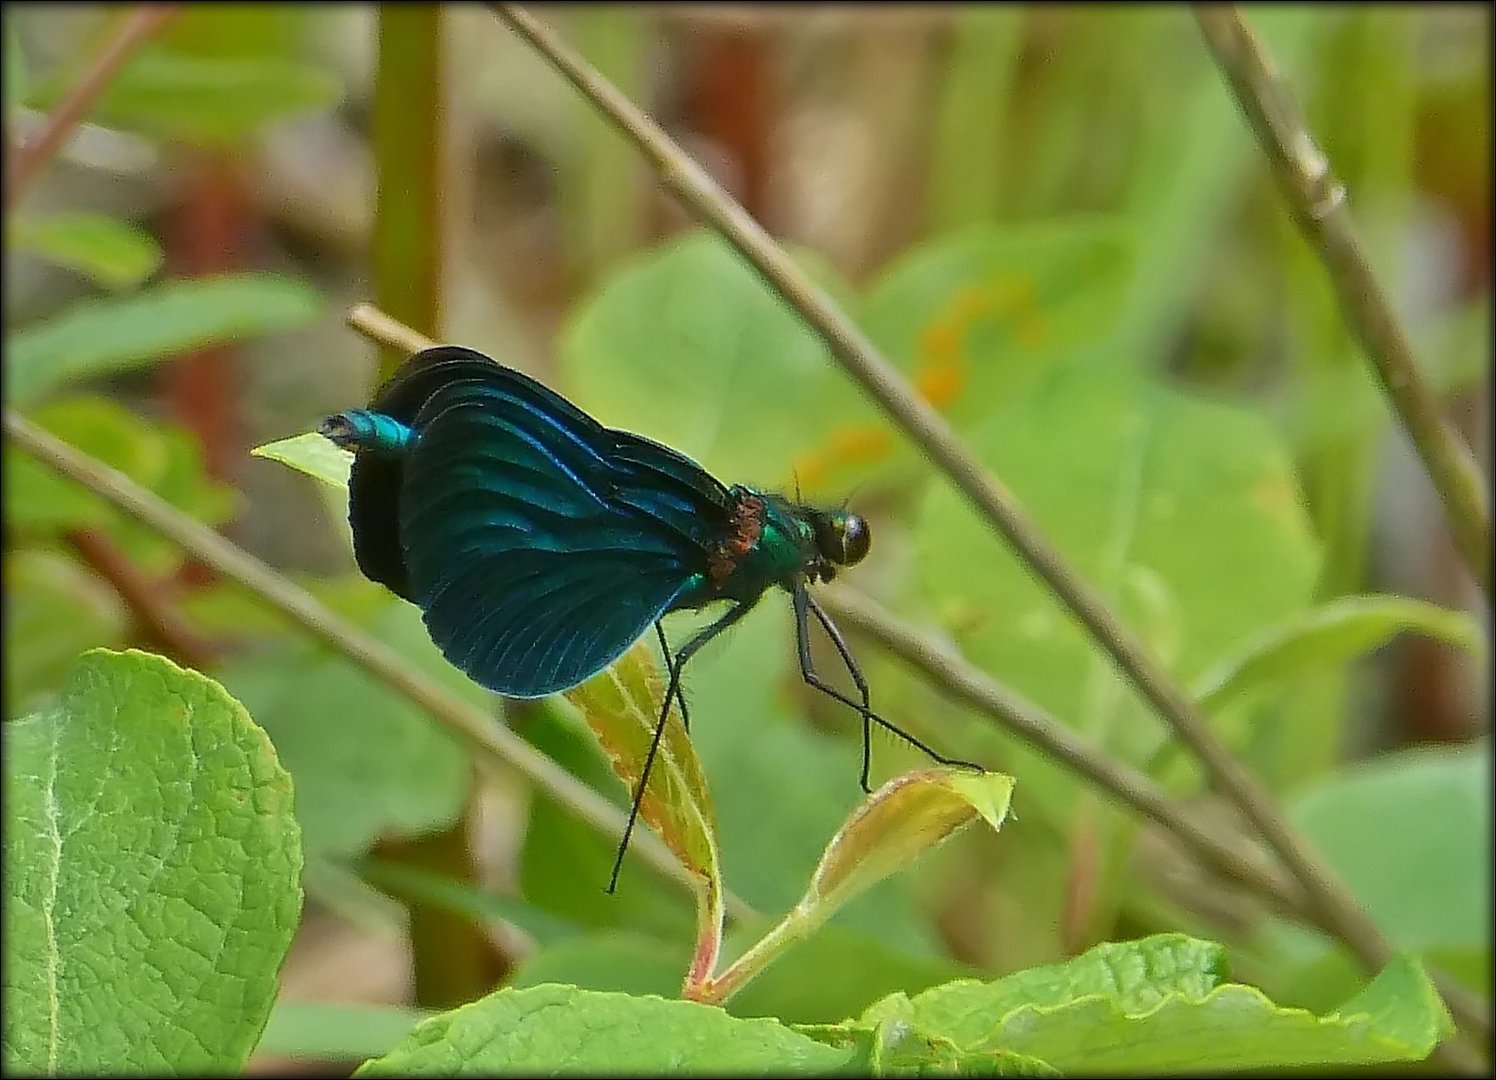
(1317, 201)
(27, 161)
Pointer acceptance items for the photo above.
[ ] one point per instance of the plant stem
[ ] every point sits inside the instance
(1317, 201)
(452, 960)
(160, 623)
(30, 159)
(795, 927)
(934, 436)
(408, 141)
(472, 724)
(377, 326)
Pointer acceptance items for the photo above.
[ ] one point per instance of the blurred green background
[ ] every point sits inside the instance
(1052, 219)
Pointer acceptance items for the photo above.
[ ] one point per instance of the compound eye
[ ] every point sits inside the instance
(856, 538)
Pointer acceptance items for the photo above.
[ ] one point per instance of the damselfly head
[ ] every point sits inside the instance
(841, 538)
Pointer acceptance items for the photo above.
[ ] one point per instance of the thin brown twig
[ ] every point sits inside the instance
(161, 625)
(377, 326)
(928, 430)
(1317, 200)
(469, 722)
(29, 159)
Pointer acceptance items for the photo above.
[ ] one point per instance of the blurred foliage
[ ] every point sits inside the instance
(1090, 275)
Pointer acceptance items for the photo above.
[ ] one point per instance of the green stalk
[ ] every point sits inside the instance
(408, 147)
(453, 961)
(1369, 118)
(602, 189)
(966, 169)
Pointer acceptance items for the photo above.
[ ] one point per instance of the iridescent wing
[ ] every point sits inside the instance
(538, 544)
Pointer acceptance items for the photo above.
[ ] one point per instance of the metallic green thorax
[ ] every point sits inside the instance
(772, 542)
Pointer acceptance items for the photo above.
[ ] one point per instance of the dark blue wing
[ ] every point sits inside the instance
(539, 544)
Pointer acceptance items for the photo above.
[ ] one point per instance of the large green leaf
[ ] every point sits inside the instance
(111, 252)
(621, 705)
(1160, 1006)
(54, 609)
(689, 347)
(561, 1029)
(105, 336)
(976, 316)
(1185, 517)
(172, 94)
(163, 458)
(1410, 834)
(1332, 633)
(336, 1031)
(1183, 514)
(151, 875)
(15, 69)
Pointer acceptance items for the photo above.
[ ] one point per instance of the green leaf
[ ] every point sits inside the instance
(1410, 834)
(564, 865)
(616, 961)
(210, 99)
(1136, 975)
(688, 346)
(1156, 1006)
(162, 458)
(621, 705)
(550, 1029)
(1332, 633)
(367, 763)
(15, 69)
(1185, 516)
(109, 335)
(310, 453)
(834, 973)
(780, 787)
(894, 1048)
(901, 820)
(54, 609)
(336, 1031)
(111, 252)
(151, 865)
(972, 319)
(977, 316)
(448, 894)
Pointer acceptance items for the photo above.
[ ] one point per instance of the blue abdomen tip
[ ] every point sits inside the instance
(363, 431)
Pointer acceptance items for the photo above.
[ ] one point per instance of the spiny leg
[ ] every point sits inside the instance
(732, 615)
(808, 673)
(680, 696)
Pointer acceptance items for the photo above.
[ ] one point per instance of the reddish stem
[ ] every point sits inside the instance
(27, 161)
(160, 624)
